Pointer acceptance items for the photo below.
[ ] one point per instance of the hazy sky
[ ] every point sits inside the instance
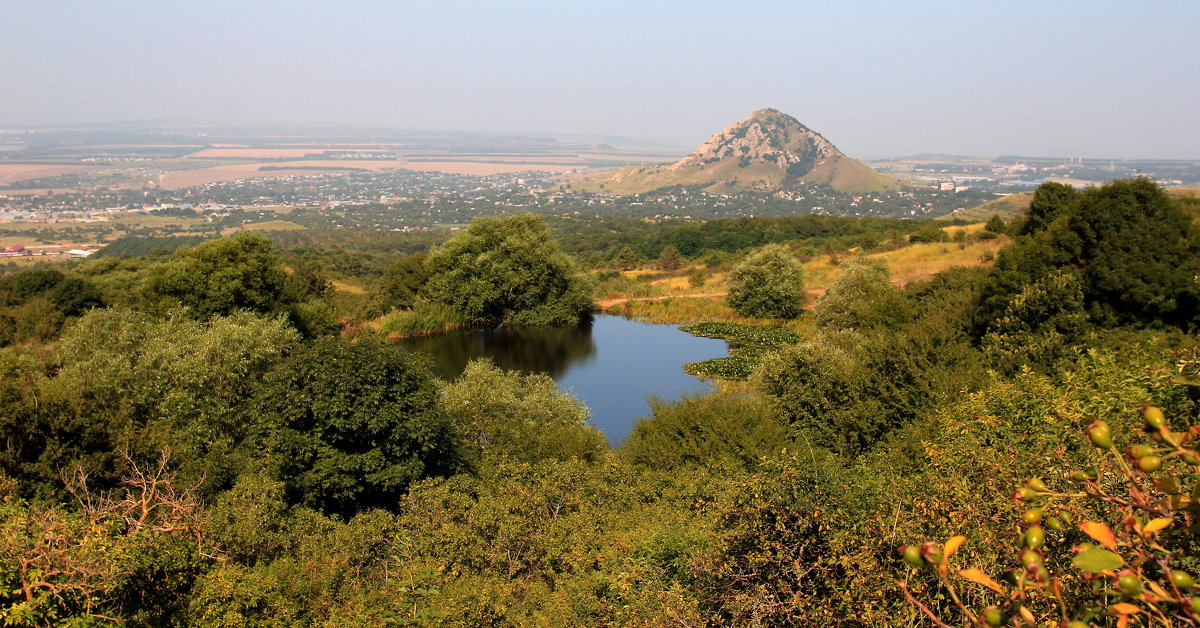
(1093, 78)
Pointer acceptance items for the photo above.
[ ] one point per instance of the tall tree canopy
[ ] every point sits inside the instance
(217, 277)
(1137, 254)
(508, 269)
(352, 424)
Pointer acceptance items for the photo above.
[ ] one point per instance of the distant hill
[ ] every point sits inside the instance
(1005, 207)
(768, 151)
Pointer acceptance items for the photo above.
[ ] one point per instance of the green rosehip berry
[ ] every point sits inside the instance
(1190, 459)
(1138, 452)
(1153, 416)
(1035, 537)
(1054, 523)
(994, 616)
(1182, 579)
(912, 555)
(1030, 557)
(1100, 435)
(1196, 605)
(1024, 494)
(1037, 485)
(1130, 585)
(1033, 515)
(1149, 464)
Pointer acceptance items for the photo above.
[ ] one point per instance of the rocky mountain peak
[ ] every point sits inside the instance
(767, 137)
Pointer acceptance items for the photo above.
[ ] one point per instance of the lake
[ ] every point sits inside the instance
(612, 365)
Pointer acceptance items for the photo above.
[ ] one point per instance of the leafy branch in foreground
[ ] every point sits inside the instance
(1134, 570)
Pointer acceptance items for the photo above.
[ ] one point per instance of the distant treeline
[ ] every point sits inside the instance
(608, 236)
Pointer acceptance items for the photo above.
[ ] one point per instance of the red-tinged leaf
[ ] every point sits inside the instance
(952, 545)
(1101, 533)
(978, 577)
(1124, 608)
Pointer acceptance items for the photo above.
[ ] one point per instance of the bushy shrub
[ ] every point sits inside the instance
(769, 283)
(503, 415)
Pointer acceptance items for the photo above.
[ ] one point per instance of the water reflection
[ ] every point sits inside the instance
(612, 364)
(549, 350)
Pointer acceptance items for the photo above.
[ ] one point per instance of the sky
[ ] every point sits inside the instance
(1092, 78)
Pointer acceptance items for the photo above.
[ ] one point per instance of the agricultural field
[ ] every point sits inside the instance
(273, 153)
(16, 172)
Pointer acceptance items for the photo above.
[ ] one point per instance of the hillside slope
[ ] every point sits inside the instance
(768, 151)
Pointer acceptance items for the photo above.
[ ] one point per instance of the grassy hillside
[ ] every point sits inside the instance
(1005, 207)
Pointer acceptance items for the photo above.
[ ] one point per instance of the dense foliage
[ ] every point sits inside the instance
(508, 269)
(178, 449)
(769, 283)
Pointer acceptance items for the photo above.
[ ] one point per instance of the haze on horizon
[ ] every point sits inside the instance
(1096, 79)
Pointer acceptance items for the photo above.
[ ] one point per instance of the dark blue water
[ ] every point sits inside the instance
(613, 365)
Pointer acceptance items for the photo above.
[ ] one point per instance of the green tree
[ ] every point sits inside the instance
(995, 224)
(126, 381)
(769, 283)
(1050, 201)
(215, 278)
(863, 297)
(508, 269)
(1140, 254)
(1136, 252)
(1041, 325)
(506, 415)
(669, 258)
(628, 259)
(402, 283)
(352, 424)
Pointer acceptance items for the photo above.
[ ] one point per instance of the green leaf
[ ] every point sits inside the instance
(1097, 559)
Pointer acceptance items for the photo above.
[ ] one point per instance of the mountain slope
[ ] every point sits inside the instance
(768, 151)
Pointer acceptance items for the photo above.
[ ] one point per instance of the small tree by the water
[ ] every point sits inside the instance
(768, 284)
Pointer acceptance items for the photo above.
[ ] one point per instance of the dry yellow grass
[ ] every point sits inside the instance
(676, 301)
(348, 288)
(911, 263)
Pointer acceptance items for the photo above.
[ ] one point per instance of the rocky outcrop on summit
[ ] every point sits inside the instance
(770, 150)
